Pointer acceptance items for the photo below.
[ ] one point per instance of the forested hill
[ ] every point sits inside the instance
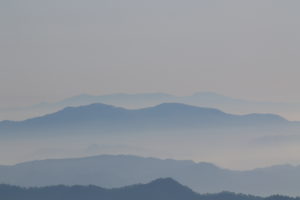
(160, 189)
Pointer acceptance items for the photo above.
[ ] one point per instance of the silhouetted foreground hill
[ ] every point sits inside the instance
(111, 171)
(101, 118)
(160, 189)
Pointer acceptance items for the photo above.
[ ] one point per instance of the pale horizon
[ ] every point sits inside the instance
(53, 50)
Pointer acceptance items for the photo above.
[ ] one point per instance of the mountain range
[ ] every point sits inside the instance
(166, 117)
(112, 171)
(159, 189)
(134, 101)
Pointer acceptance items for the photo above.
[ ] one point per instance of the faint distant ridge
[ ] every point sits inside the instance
(140, 100)
(101, 118)
(160, 189)
(121, 99)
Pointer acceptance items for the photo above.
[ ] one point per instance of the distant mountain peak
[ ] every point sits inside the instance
(173, 105)
(208, 94)
(165, 181)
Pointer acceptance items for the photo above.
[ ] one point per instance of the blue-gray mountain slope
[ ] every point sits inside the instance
(160, 189)
(116, 171)
(101, 118)
(133, 101)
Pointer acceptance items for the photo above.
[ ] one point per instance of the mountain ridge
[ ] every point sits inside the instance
(167, 106)
(140, 100)
(111, 171)
(163, 117)
(158, 189)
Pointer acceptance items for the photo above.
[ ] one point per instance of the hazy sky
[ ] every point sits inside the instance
(50, 50)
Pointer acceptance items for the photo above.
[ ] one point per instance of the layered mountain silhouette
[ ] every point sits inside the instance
(111, 171)
(160, 189)
(134, 101)
(102, 118)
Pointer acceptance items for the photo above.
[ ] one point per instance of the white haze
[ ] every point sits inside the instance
(234, 149)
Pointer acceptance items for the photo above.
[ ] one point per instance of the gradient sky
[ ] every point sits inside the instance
(50, 50)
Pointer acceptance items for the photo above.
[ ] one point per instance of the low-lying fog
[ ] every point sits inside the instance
(235, 150)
